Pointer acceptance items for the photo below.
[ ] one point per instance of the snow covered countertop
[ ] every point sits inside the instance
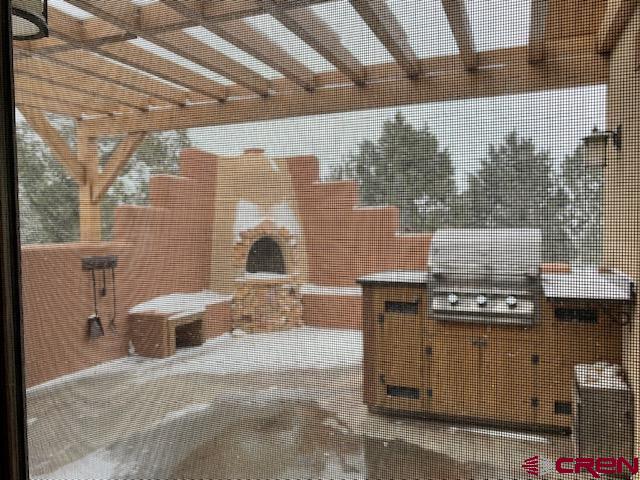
(589, 284)
(329, 290)
(600, 375)
(181, 304)
(397, 276)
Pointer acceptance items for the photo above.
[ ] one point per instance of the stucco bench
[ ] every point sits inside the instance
(160, 325)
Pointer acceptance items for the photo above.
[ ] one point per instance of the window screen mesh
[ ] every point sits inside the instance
(281, 239)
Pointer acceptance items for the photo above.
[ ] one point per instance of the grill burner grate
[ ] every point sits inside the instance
(485, 275)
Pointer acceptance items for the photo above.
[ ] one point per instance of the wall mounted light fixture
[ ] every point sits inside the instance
(29, 19)
(596, 145)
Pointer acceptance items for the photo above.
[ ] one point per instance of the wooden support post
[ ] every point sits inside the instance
(96, 183)
(52, 137)
(82, 165)
(617, 16)
(90, 215)
(537, 30)
(116, 163)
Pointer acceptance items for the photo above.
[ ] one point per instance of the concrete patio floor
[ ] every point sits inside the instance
(281, 405)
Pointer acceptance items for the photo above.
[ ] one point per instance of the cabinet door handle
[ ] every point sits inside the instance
(479, 342)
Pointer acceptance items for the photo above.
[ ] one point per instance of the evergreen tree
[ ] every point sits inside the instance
(405, 167)
(49, 196)
(583, 214)
(516, 188)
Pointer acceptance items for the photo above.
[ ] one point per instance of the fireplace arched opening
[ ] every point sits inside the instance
(265, 255)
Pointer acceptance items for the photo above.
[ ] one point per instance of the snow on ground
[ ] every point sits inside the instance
(103, 464)
(300, 348)
(525, 437)
(194, 408)
(181, 304)
(99, 465)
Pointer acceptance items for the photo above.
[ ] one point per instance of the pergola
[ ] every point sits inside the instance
(88, 70)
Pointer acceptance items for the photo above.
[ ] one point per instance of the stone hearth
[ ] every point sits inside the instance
(265, 302)
(267, 296)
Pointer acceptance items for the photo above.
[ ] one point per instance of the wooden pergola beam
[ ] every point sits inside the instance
(316, 33)
(136, 57)
(54, 74)
(458, 19)
(124, 14)
(52, 137)
(155, 18)
(248, 39)
(89, 103)
(537, 30)
(617, 16)
(198, 52)
(91, 64)
(383, 23)
(117, 160)
(50, 105)
(509, 73)
(61, 41)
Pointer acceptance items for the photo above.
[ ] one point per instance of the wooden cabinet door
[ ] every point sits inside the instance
(399, 348)
(455, 371)
(509, 388)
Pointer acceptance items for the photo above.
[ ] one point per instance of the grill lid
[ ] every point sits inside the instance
(486, 251)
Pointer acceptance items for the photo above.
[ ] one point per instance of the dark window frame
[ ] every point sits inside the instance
(13, 454)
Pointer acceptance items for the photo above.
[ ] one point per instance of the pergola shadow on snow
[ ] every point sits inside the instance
(88, 70)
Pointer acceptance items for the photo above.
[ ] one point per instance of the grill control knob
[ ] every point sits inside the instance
(453, 299)
(481, 300)
(511, 301)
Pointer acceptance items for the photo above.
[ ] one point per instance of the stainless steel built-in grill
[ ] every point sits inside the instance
(485, 275)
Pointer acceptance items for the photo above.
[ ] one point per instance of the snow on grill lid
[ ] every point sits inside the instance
(485, 251)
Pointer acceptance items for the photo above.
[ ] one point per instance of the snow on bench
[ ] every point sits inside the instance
(179, 305)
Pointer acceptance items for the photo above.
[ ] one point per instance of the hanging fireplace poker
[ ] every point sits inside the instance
(95, 327)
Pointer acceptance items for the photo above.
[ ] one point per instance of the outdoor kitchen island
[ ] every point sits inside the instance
(485, 335)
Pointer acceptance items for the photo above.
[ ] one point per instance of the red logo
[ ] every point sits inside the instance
(539, 466)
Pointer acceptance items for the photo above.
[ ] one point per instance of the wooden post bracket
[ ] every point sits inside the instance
(82, 165)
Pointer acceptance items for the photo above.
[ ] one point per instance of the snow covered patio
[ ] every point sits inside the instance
(269, 405)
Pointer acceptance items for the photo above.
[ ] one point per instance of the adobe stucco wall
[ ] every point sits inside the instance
(248, 181)
(344, 240)
(622, 190)
(171, 238)
(183, 242)
(57, 299)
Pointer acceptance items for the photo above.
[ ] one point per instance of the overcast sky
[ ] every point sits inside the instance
(555, 120)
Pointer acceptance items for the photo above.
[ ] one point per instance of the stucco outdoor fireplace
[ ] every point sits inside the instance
(267, 296)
